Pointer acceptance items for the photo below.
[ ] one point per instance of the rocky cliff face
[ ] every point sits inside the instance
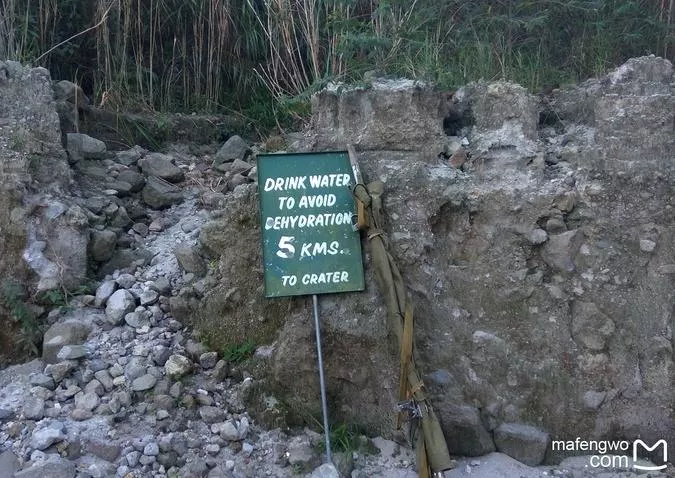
(540, 257)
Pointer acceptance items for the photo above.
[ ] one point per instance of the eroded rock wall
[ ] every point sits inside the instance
(542, 266)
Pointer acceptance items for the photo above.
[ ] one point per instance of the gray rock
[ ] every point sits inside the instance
(119, 304)
(234, 148)
(53, 467)
(33, 408)
(464, 431)
(593, 400)
(81, 146)
(159, 194)
(104, 291)
(87, 401)
(537, 236)
(60, 370)
(301, 453)
(229, 431)
(161, 285)
(135, 180)
(327, 470)
(71, 352)
(151, 449)
(194, 349)
(524, 443)
(590, 327)
(65, 90)
(136, 320)
(122, 188)
(177, 366)
(161, 166)
(69, 332)
(132, 458)
(126, 281)
(120, 218)
(46, 437)
(9, 463)
(211, 414)
(107, 450)
(94, 386)
(130, 156)
(104, 377)
(141, 229)
(42, 380)
(102, 245)
(208, 360)
(144, 382)
(647, 246)
(560, 250)
(190, 260)
(148, 297)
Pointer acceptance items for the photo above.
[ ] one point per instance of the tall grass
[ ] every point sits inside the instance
(224, 55)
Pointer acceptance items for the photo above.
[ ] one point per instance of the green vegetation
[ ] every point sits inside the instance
(250, 57)
(239, 352)
(13, 298)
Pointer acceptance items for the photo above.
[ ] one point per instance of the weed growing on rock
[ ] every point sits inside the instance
(13, 297)
(239, 352)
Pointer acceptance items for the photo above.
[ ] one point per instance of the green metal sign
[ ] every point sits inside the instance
(306, 210)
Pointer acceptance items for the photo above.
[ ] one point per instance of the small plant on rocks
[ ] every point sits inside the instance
(237, 353)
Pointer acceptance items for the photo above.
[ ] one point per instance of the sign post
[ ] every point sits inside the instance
(309, 244)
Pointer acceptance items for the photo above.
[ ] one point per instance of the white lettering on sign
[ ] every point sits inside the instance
(325, 278)
(329, 180)
(309, 220)
(311, 249)
(285, 184)
(321, 200)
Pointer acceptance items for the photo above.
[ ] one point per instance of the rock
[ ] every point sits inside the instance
(592, 399)
(327, 470)
(104, 291)
(177, 366)
(229, 431)
(135, 180)
(151, 449)
(136, 320)
(234, 148)
(9, 463)
(80, 146)
(560, 250)
(126, 281)
(464, 431)
(71, 352)
(60, 370)
(647, 246)
(301, 454)
(144, 382)
(102, 245)
(194, 349)
(159, 194)
(130, 156)
(42, 380)
(522, 442)
(46, 437)
(53, 467)
(87, 401)
(104, 377)
(208, 360)
(119, 304)
(590, 327)
(161, 285)
(211, 414)
(69, 332)
(161, 166)
(537, 236)
(120, 218)
(120, 188)
(65, 90)
(33, 408)
(190, 261)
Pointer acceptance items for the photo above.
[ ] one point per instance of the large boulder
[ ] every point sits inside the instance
(541, 269)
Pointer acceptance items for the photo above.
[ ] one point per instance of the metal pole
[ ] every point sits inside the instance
(324, 405)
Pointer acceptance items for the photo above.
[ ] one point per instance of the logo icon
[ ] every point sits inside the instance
(659, 443)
